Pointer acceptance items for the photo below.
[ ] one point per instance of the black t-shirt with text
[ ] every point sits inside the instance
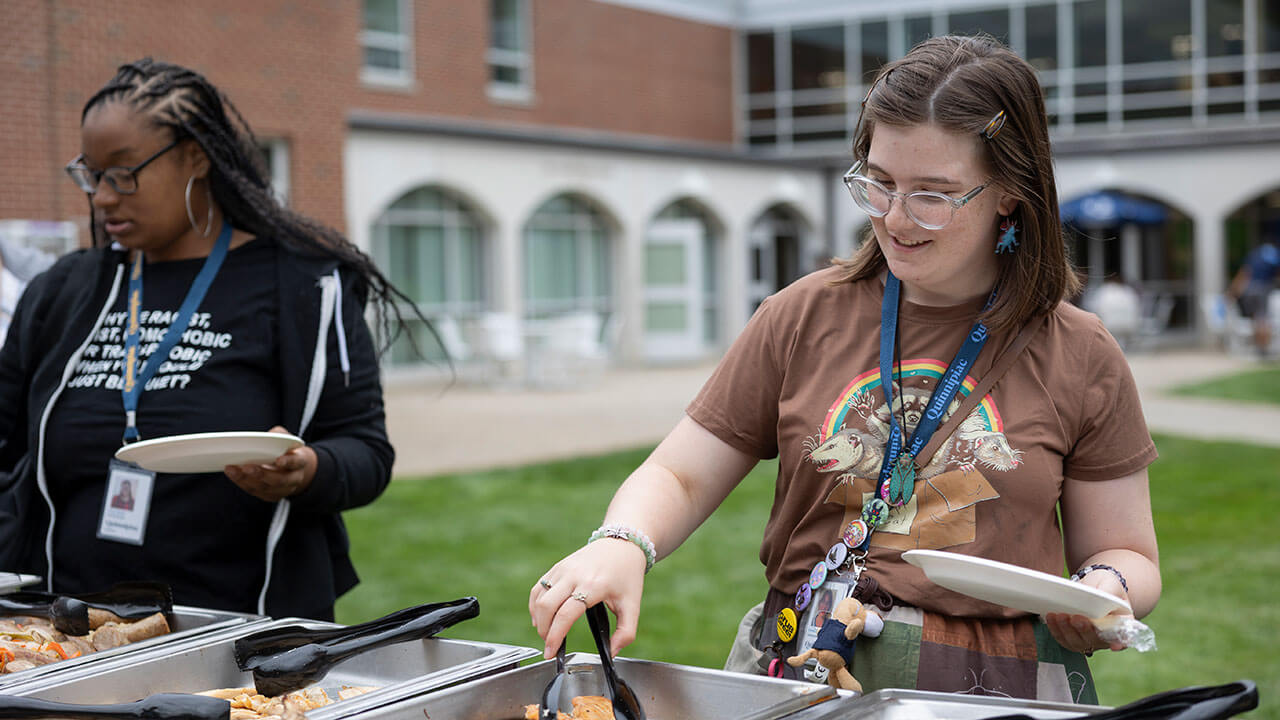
(204, 536)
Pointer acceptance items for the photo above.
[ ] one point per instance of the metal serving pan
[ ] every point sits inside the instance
(10, 581)
(897, 704)
(667, 692)
(398, 671)
(188, 622)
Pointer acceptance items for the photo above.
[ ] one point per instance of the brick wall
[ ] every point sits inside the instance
(292, 67)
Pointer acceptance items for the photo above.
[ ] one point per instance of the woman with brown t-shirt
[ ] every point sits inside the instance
(850, 375)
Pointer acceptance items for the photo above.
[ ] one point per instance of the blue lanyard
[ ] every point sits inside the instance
(135, 380)
(896, 475)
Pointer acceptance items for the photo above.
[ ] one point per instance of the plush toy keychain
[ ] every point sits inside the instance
(835, 643)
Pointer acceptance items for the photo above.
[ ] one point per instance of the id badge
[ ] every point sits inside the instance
(824, 602)
(126, 503)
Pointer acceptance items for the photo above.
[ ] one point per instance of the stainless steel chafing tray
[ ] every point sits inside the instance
(923, 705)
(188, 622)
(667, 692)
(208, 663)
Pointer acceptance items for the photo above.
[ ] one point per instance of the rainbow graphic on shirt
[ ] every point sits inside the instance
(869, 383)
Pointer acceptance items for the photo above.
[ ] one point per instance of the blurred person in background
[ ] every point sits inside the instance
(850, 377)
(203, 306)
(18, 265)
(1251, 288)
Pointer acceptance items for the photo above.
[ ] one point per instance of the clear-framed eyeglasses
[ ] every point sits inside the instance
(930, 210)
(123, 180)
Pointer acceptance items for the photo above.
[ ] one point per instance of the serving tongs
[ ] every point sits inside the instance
(162, 706)
(78, 613)
(553, 693)
(292, 657)
(625, 704)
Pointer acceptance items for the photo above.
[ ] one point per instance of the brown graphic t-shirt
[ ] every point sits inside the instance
(802, 383)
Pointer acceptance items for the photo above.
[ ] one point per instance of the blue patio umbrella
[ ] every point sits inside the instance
(1112, 208)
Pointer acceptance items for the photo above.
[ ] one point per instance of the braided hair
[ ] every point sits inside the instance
(182, 100)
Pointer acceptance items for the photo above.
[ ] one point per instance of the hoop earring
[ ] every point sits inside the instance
(191, 217)
(1008, 241)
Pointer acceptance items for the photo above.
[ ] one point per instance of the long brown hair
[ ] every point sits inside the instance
(960, 83)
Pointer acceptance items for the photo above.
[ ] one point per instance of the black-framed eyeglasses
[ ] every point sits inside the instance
(930, 210)
(123, 180)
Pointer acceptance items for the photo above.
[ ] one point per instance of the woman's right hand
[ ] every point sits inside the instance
(609, 570)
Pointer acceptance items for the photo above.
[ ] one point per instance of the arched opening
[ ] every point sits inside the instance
(682, 276)
(1249, 319)
(776, 243)
(1128, 243)
(431, 243)
(569, 256)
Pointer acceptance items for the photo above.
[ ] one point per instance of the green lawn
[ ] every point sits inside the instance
(492, 534)
(1260, 385)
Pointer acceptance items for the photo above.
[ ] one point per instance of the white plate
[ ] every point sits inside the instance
(1012, 586)
(10, 581)
(207, 452)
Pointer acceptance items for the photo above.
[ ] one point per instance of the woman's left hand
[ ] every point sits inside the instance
(1077, 632)
(288, 475)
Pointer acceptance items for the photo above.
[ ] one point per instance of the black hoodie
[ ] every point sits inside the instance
(340, 416)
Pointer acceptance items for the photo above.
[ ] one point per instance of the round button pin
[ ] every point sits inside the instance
(818, 575)
(803, 595)
(855, 533)
(836, 556)
(875, 512)
(787, 624)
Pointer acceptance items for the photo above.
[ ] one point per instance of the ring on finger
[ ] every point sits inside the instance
(580, 597)
(545, 583)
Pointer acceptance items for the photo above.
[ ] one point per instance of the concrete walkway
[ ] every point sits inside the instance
(471, 428)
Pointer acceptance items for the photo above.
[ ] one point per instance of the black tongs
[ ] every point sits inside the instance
(292, 657)
(162, 706)
(70, 613)
(626, 706)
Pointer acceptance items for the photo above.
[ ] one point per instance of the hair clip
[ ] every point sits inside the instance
(994, 127)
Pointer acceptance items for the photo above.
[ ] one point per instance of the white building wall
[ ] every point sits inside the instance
(507, 181)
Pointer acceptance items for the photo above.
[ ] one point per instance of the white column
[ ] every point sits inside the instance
(733, 295)
(508, 267)
(1209, 245)
(630, 267)
(1131, 254)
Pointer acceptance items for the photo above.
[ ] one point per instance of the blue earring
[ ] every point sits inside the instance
(1008, 236)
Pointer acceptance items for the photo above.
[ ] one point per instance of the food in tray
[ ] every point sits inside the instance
(248, 704)
(585, 707)
(28, 642)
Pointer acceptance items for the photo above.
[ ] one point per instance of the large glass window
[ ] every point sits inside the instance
(510, 59)
(914, 30)
(1224, 48)
(761, 80)
(875, 48)
(431, 246)
(1268, 42)
(817, 76)
(1042, 36)
(1090, 89)
(689, 210)
(386, 41)
(992, 22)
(568, 259)
(1157, 31)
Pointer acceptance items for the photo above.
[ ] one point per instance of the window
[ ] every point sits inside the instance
(275, 156)
(817, 77)
(568, 259)
(875, 49)
(1042, 37)
(992, 22)
(387, 42)
(510, 60)
(431, 246)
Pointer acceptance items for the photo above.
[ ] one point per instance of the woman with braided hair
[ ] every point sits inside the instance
(203, 306)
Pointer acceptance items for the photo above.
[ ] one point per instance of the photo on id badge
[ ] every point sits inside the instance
(825, 599)
(125, 503)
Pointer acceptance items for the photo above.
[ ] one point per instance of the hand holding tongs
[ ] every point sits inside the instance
(625, 704)
(162, 706)
(290, 658)
(78, 613)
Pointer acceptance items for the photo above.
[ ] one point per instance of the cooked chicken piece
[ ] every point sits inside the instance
(148, 627)
(109, 636)
(585, 707)
(14, 666)
(77, 644)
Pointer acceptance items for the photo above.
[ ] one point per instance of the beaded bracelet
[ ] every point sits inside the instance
(622, 532)
(1090, 568)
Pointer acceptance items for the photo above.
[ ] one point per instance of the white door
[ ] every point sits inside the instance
(761, 264)
(673, 292)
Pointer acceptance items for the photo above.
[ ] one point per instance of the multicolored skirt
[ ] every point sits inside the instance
(923, 650)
